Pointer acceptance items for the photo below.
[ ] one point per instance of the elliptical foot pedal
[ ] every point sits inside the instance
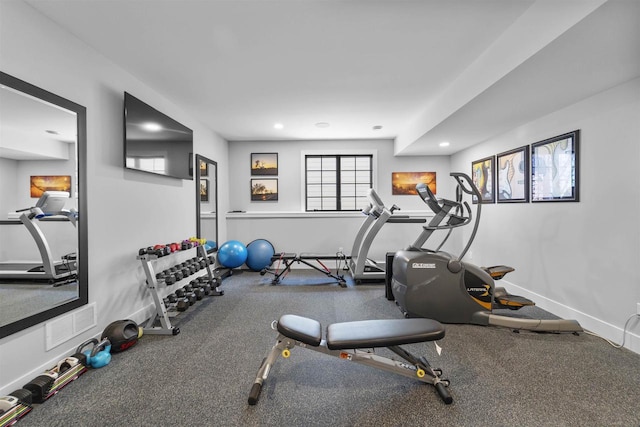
(497, 272)
(512, 302)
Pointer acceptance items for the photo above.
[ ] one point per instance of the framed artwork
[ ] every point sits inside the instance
(263, 190)
(482, 176)
(204, 190)
(204, 168)
(554, 169)
(41, 183)
(404, 183)
(264, 163)
(513, 176)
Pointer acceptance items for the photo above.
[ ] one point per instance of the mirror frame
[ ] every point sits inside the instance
(81, 153)
(200, 158)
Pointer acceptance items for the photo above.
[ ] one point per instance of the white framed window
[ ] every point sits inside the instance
(151, 164)
(337, 182)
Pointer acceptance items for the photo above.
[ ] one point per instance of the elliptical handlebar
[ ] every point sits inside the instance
(465, 183)
(461, 178)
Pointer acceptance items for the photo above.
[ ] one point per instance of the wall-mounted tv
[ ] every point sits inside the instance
(154, 142)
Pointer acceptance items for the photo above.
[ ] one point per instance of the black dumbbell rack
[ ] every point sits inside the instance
(160, 323)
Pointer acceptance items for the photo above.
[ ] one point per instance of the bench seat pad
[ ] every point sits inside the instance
(382, 333)
(361, 334)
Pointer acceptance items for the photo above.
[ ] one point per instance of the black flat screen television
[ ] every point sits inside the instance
(154, 142)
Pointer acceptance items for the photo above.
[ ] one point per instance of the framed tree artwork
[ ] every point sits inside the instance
(264, 163)
(263, 190)
(204, 190)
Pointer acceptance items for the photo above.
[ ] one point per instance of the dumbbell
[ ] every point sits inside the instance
(161, 250)
(190, 296)
(144, 251)
(40, 386)
(177, 273)
(197, 290)
(65, 364)
(187, 270)
(7, 402)
(180, 304)
(203, 282)
(191, 291)
(23, 395)
(189, 267)
(168, 277)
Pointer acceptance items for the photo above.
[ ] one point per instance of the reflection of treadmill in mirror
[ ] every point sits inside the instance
(50, 207)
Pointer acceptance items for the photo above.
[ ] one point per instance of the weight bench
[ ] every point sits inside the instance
(346, 341)
(289, 258)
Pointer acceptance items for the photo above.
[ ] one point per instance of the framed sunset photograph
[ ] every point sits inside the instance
(404, 183)
(264, 190)
(41, 183)
(264, 163)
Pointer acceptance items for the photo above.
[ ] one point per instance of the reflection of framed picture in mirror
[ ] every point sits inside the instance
(204, 190)
(512, 174)
(482, 177)
(41, 183)
(554, 169)
(263, 190)
(264, 163)
(204, 168)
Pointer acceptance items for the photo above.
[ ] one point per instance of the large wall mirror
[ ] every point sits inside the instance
(43, 221)
(207, 199)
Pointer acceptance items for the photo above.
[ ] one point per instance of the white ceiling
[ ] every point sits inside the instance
(426, 71)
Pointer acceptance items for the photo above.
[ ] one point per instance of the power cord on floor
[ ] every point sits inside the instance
(624, 332)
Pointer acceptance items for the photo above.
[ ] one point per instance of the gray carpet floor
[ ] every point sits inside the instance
(203, 375)
(26, 299)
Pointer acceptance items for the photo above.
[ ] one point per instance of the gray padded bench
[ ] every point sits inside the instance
(344, 339)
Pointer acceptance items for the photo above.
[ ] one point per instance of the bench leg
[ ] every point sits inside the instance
(282, 343)
(416, 368)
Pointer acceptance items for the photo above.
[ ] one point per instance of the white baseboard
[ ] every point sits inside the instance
(68, 348)
(589, 323)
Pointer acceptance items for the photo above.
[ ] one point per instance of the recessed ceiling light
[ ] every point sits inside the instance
(377, 127)
(322, 125)
(444, 144)
(278, 126)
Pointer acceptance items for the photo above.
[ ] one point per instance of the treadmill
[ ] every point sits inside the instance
(50, 207)
(362, 268)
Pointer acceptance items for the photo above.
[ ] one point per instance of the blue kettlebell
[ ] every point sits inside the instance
(99, 356)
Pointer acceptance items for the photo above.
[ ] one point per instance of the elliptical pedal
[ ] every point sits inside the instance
(497, 272)
(502, 299)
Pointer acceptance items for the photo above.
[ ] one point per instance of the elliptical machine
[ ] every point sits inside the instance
(437, 285)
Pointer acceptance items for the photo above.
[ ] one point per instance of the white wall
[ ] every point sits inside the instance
(579, 260)
(127, 210)
(323, 233)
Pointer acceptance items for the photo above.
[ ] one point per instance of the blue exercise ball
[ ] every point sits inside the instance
(210, 245)
(259, 253)
(232, 254)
